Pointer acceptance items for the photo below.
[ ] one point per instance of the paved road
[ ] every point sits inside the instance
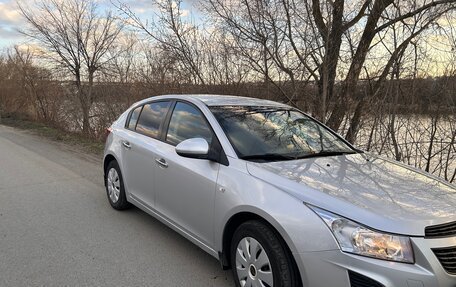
(57, 228)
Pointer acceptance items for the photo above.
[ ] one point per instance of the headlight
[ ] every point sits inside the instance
(355, 238)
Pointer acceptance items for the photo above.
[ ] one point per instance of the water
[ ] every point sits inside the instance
(424, 142)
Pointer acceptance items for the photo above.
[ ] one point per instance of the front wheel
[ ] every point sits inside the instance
(260, 258)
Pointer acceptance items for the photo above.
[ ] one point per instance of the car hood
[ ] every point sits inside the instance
(380, 193)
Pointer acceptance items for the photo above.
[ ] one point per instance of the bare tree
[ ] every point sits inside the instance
(77, 38)
(38, 85)
(264, 34)
(373, 12)
(181, 38)
(308, 40)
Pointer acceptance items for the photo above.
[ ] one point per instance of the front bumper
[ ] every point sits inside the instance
(330, 268)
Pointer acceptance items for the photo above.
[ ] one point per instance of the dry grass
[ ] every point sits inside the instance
(75, 139)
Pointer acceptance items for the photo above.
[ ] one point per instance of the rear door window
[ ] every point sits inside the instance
(151, 118)
(187, 122)
(134, 118)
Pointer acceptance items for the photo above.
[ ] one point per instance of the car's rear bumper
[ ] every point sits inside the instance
(331, 268)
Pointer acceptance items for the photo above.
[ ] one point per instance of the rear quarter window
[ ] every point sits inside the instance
(134, 118)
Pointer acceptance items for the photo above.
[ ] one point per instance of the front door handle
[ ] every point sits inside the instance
(162, 162)
(126, 144)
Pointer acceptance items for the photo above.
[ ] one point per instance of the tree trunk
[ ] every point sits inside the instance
(356, 121)
(434, 122)
(83, 101)
(85, 119)
(351, 81)
(328, 68)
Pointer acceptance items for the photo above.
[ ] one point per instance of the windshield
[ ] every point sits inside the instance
(272, 133)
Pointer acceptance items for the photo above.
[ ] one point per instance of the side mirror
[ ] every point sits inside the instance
(193, 148)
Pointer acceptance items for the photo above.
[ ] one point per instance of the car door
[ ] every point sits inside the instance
(139, 147)
(186, 187)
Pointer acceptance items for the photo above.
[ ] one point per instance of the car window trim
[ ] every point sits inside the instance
(166, 122)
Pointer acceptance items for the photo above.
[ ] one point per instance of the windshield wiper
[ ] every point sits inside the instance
(325, 153)
(282, 157)
(268, 157)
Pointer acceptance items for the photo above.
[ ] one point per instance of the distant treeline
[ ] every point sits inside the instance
(416, 96)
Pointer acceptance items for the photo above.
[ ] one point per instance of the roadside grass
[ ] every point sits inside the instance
(92, 146)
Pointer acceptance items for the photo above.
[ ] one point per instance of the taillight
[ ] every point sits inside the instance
(108, 131)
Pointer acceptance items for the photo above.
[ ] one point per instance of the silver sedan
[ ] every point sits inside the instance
(280, 198)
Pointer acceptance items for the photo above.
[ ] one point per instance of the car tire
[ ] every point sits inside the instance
(115, 188)
(257, 239)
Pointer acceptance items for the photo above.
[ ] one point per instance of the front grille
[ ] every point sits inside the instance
(358, 280)
(447, 257)
(441, 230)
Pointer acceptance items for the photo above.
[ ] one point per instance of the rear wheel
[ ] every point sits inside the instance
(259, 258)
(115, 187)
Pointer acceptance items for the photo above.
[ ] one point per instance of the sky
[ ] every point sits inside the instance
(438, 51)
(11, 20)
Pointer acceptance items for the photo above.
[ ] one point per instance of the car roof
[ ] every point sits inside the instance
(222, 100)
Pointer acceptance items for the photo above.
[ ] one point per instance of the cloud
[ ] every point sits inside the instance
(33, 48)
(9, 13)
(147, 8)
(10, 21)
(140, 6)
(185, 12)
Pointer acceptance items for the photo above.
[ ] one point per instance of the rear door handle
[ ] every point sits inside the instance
(126, 144)
(162, 162)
